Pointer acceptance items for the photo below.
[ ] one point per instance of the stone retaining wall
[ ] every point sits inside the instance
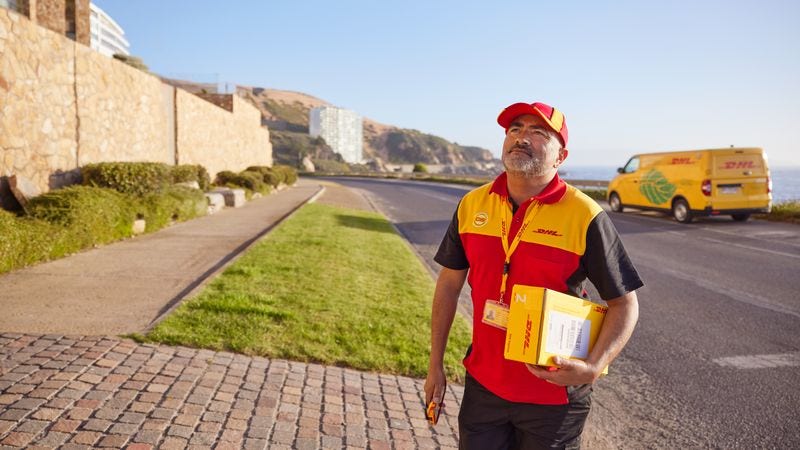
(62, 106)
(218, 139)
(121, 111)
(38, 121)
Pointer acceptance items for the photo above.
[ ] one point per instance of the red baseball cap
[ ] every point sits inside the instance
(554, 118)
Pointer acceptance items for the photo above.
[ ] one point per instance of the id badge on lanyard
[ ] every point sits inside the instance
(495, 312)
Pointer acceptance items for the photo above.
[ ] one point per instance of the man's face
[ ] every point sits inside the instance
(530, 148)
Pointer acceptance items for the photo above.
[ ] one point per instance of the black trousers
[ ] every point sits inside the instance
(487, 422)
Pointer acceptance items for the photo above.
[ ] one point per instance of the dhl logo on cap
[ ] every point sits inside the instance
(554, 118)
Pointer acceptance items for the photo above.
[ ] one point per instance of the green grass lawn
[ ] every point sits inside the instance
(329, 285)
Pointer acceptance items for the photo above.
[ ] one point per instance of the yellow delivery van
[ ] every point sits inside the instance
(688, 184)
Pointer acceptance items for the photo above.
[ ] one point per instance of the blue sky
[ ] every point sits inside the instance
(630, 76)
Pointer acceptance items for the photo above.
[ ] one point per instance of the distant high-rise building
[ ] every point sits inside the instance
(107, 37)
(341, 129)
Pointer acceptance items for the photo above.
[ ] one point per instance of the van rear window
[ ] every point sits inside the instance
(729, 165)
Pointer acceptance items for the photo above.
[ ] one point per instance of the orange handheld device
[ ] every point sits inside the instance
(433, 410)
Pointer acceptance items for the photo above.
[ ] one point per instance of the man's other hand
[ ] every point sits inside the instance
(435, 385)
(568, 372)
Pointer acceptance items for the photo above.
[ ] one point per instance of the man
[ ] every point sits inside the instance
(555, 237)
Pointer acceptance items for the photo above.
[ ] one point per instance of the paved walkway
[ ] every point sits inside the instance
(124, 287)
(66, 382)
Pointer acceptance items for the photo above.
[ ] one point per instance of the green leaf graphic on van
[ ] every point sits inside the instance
(656, 188)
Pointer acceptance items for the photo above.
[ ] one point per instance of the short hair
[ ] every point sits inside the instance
(555, 139)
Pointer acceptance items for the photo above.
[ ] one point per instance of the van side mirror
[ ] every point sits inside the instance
(620, 170)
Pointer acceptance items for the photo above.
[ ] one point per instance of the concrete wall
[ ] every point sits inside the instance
(62, 106)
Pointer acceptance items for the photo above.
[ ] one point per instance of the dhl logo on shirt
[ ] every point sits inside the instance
(548, 232)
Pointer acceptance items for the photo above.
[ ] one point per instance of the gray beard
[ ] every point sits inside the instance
(529, 168)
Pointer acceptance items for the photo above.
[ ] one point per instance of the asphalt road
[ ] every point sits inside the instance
(715, 359)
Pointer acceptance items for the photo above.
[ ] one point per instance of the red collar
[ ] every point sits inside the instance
(552, 193)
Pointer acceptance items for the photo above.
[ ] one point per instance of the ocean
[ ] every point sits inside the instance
(785, 180)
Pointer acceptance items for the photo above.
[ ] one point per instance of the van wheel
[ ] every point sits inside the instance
(614, 202)
(680, 211)
(740, 217)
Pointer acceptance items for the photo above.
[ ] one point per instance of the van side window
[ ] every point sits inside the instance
(632, 166)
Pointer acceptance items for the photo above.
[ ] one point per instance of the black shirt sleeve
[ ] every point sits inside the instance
(605, 262)
(451, 251)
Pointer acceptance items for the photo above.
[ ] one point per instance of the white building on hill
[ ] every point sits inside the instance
(341, 129)
(107, 37)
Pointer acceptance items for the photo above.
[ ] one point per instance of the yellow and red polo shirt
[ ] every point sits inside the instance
(568, 240)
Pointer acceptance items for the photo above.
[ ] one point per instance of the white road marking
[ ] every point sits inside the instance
(760, 361)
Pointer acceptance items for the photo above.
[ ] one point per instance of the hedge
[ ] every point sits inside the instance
(276, 175)
(112, 196)
(78, 217)
(90, 215)
(175, 204)
(191, 172)
(251, 180)
(288, 173)
(143, 178)
(26, 241)
(139, 178)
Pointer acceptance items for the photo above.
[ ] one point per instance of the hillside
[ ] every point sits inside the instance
(286, 114)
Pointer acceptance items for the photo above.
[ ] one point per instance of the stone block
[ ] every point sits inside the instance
(216, 201)
(189, 184)
(234, 198)
(23, 189)
(139, 226)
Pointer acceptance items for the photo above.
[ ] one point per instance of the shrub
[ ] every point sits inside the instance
(788, 211)
(288, 173)
(89, 215)
(420, 168)
(176, 203)
(273, 179)
(276, 174)
(25, 241)
(137, 178)
(596, 194)
(203, 179)
(184, 173)
(331, 166)
(224, 177)
(269, 176)
(259, 169)
(359, 168)
(250, 180)
(133, 61)
(191, 172)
